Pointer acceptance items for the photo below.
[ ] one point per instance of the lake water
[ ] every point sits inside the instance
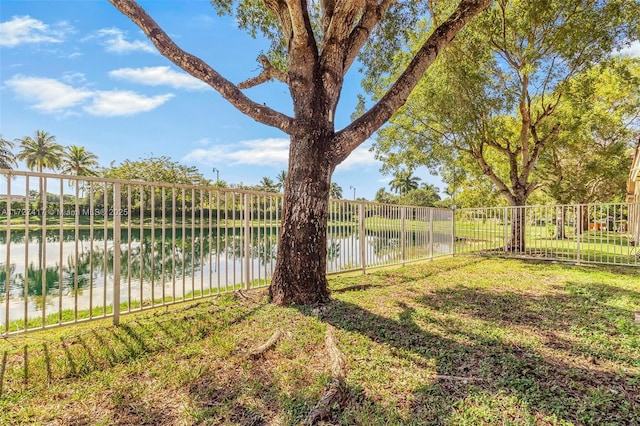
(71, 269)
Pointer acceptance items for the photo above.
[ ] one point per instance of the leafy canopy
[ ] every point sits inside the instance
(492, 102)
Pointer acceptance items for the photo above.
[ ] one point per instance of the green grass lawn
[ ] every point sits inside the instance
(462, 341)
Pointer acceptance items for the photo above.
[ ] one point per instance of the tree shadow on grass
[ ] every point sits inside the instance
(535, 264)
(545, 385)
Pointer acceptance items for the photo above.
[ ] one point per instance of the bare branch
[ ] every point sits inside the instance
(200, 69)
(269, 72)
(354, 134)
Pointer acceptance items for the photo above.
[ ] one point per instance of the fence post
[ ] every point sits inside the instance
(431, 232)
(403, 236)
(43, 243)
(247, 246)
(116, 253)
(506, 229)
(453, 230)
(7, 263)
(578, 226)
(363, 243)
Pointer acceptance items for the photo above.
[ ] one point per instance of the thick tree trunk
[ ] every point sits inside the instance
(582, 219)
(518, 224)
(300, 273)
(561, 218)
(517, 240)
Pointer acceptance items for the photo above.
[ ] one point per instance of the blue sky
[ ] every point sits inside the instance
(85, 73)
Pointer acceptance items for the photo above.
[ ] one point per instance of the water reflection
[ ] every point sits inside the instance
(73, 269)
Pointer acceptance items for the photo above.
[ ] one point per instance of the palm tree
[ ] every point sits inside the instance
(40, 152)
(267, 184)
(281, 178)
(7, 159)
(76, 160)
(335, 191)
(403, 181)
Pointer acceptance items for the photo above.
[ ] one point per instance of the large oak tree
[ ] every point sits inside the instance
(313, 46)
(497, 92)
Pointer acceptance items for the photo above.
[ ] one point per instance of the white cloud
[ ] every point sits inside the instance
(117, 103)
(159, 76)
(73, 77)
(361, 156)
(268, 151)
(114, 41)
(632, 50)
(47, 94)
(52, 96)
(25, 29)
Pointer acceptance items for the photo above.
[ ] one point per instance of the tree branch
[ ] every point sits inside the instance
(354, 134)
(537, 147)
(488, 170)
(201, 70)
(280, 10)
(269, 72)
(372, 15)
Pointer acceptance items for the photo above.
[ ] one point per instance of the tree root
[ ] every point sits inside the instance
(260, 350)
(242, 295)
(335, 391)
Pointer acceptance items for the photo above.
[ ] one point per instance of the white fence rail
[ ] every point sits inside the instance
(74, 249)
(581, 233)
(79, 248)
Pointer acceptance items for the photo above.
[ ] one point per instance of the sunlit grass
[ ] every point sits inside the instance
(462, 340)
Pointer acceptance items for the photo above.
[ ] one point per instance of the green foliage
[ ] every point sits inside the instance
(403, 181)
(425, 196)
(7, 158)
(76, 160)
(41, 151)
(156, 169)
(384, 197)
(253, 17)
(378, 55)
(267, 184)
(492, 102)
(600, 117)
(335, 191)
(281, 178)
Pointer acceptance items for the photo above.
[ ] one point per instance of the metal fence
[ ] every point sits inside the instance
(78, 248)
(582, 233)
